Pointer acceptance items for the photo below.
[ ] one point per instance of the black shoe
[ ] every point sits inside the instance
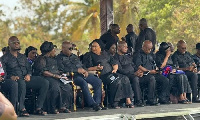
(164, 102)
(96, 107)
(195, 100)
(153, 103)
(139, 104)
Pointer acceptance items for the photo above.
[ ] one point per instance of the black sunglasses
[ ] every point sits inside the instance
(71, 48)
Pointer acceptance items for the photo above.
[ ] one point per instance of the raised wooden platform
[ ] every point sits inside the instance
(159, 112)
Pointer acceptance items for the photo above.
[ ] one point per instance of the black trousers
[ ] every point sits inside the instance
(162, 86)
(140, 83)
(40, 84)
(59, 95)
(10, 87)
(193, 80)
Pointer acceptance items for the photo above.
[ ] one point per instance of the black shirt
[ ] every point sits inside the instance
(197, 61)
(125, 64)
(15, 66)
(182, 60)
(160, 58)
(68, 63)
(108, 38)
(146, 34)
(145, 60)
(44, 63)
(131, 40)
(104, 60)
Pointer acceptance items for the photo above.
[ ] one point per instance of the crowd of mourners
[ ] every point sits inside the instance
(131, 71)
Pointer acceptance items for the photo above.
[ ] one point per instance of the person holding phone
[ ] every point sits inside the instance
(136, 76)
(179, 84)
(184, 61)
(145, 61)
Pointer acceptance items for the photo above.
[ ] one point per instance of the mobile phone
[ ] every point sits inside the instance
(146, 73)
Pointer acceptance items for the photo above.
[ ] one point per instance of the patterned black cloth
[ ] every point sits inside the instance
(182, 60)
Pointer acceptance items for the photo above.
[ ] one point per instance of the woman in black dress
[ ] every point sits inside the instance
(179, 84)
(59, 96)
(119, 85)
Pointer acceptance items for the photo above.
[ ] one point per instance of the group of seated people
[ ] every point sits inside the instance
(124, 75)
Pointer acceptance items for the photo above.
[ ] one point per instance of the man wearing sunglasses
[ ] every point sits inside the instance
(183, 61)
(67, 63)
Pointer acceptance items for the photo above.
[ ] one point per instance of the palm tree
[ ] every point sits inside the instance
(84, 19)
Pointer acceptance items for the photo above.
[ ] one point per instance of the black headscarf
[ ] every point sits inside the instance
(46, 47)
(99, 42)
(29, 49)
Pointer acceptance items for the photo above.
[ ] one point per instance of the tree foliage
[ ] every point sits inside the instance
(79, 22)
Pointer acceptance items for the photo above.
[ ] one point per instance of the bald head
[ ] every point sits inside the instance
(67, 48)
(181, 46)
(14, 43)
(180, 42)
(147, 46)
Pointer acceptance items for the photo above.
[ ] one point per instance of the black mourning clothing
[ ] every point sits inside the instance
(183, 61)
(59, 94)
(71, 64)
(15, 66)
(131, 41)
(178, 82)
(121, 87)
(127, 67)
(148, 61)
(146, 34)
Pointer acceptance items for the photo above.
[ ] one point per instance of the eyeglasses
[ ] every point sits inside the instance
(71, 48)
(17, 42)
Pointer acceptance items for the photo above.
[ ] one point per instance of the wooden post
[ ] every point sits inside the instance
(106, 14)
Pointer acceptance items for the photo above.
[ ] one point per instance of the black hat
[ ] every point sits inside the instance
(163, 46)
(198, 46)
(46, 47)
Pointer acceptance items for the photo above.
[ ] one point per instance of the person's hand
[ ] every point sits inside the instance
(173, 70)
(114, 71)
(27, 78)
(168, 53)
(81, 70)
(85, 74)
(99, 67)
(153, 72)
(195, 70)
(57, 76)
(190, 68)
(15, 78)
(138, 73)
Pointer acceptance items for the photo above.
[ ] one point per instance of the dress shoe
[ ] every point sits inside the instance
(153, 103)
(96, 107)
(164, 102)
(139, 103)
